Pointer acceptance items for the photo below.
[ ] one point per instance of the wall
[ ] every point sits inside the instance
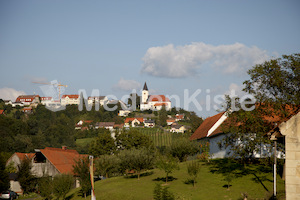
(291, 131)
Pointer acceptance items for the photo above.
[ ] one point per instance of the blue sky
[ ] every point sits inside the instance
(115, 46)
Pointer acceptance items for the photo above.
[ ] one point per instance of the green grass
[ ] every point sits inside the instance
(210, 184)
(84, 141)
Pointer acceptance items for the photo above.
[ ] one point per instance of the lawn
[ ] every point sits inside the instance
(84, 141)
(255, 180)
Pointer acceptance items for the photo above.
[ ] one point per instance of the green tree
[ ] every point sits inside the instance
(182, 147)
(4, 181)
(134, 98)
(106, 165)
(45, 187)
(168, 165)
(81, 170)
(136, 159)
(161, 193)
(162, 116)
(62, 184)
(193, 170)
(132, 138)
(26, 179)
(104, 144)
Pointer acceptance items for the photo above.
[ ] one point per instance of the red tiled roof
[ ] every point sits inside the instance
(170, 120)
(160, 104)
(158, 98)
(62, 159)
(206, 125)
(179, 116)
(140, 119)
(26, 98)
(71, 96)
(22, 156)
(27, 108)
(1, 112)
(88, 121)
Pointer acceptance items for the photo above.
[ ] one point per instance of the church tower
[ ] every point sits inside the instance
(145, 94)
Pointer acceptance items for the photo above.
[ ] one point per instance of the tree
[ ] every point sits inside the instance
(62, 184)
(26, 179)
(193, 170)
(133, 139)
(81, 170)
(276, 86)
(106, 165)
(160, 193)
(277, 80)
(134, 98)
(45, 186)
(104, 144)
(4, 181)
(162, 116)
(168, 165)
(182, 147)
(136, 159)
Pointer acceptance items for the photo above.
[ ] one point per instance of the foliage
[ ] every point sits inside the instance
(10, 168)
(81, 170)
(193, 169)
(106, 165)
(161, 193)
(162, 117)
(26, 179)
(45, 186)
(103, 144)
(277, 80)
(136, 159)
(134, 97)
(167, 164)
(204, 151)
(182, 147)
(62, 185)
(132, 138)
(4, 181)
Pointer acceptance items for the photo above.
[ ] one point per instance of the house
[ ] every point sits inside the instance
(118, 126)
(27, 110)
(6, 102)
(289, 132)
(106, 125)
(28, 99)
(17, 103)
(133, 122)
(2, 112)
(70, 99)
(49, 161)
(154, 102)
(101, 100)
(179, 117)
(149, 123)
(178, 128)
(170, 121)
(46, 100)
(124, 113)
(87, 123)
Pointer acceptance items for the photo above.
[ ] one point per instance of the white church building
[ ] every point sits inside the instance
(154, 102)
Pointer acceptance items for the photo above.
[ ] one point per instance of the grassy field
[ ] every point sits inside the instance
(255, 180)
(84, 141)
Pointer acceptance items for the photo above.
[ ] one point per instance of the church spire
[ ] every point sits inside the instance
(145, 87)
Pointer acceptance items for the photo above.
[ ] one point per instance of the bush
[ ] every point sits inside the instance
(160, 193)
(193, 170)
(182, 147)
(62, 185)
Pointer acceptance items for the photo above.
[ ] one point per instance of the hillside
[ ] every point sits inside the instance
(255, 180)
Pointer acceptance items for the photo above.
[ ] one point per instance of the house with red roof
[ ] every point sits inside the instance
(28, 99)
(70, 99)
(133, 122)
(154, 102)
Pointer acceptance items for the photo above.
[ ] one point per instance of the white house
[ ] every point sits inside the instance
(124, 113)
(70, 99)
(210, 130)
(28, 99)
(133, 122)
(149, 123)
(97, 100)
(153, 102)
(46, 100)
(178, 128)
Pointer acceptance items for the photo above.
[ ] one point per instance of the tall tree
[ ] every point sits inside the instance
(62, 184)
(81, 170)
(26, 179)
(4, 181)
(162, 116)
(132, 138)
(168, 165)
(103, 144)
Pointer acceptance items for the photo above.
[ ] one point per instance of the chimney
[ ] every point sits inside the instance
(64, 147)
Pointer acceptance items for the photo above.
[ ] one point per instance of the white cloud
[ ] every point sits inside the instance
(127, 85)
(184, 61)
(10, 93)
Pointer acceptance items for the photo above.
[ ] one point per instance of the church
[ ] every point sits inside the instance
(153, 102)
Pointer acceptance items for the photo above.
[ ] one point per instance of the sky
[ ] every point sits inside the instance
(192, 51)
